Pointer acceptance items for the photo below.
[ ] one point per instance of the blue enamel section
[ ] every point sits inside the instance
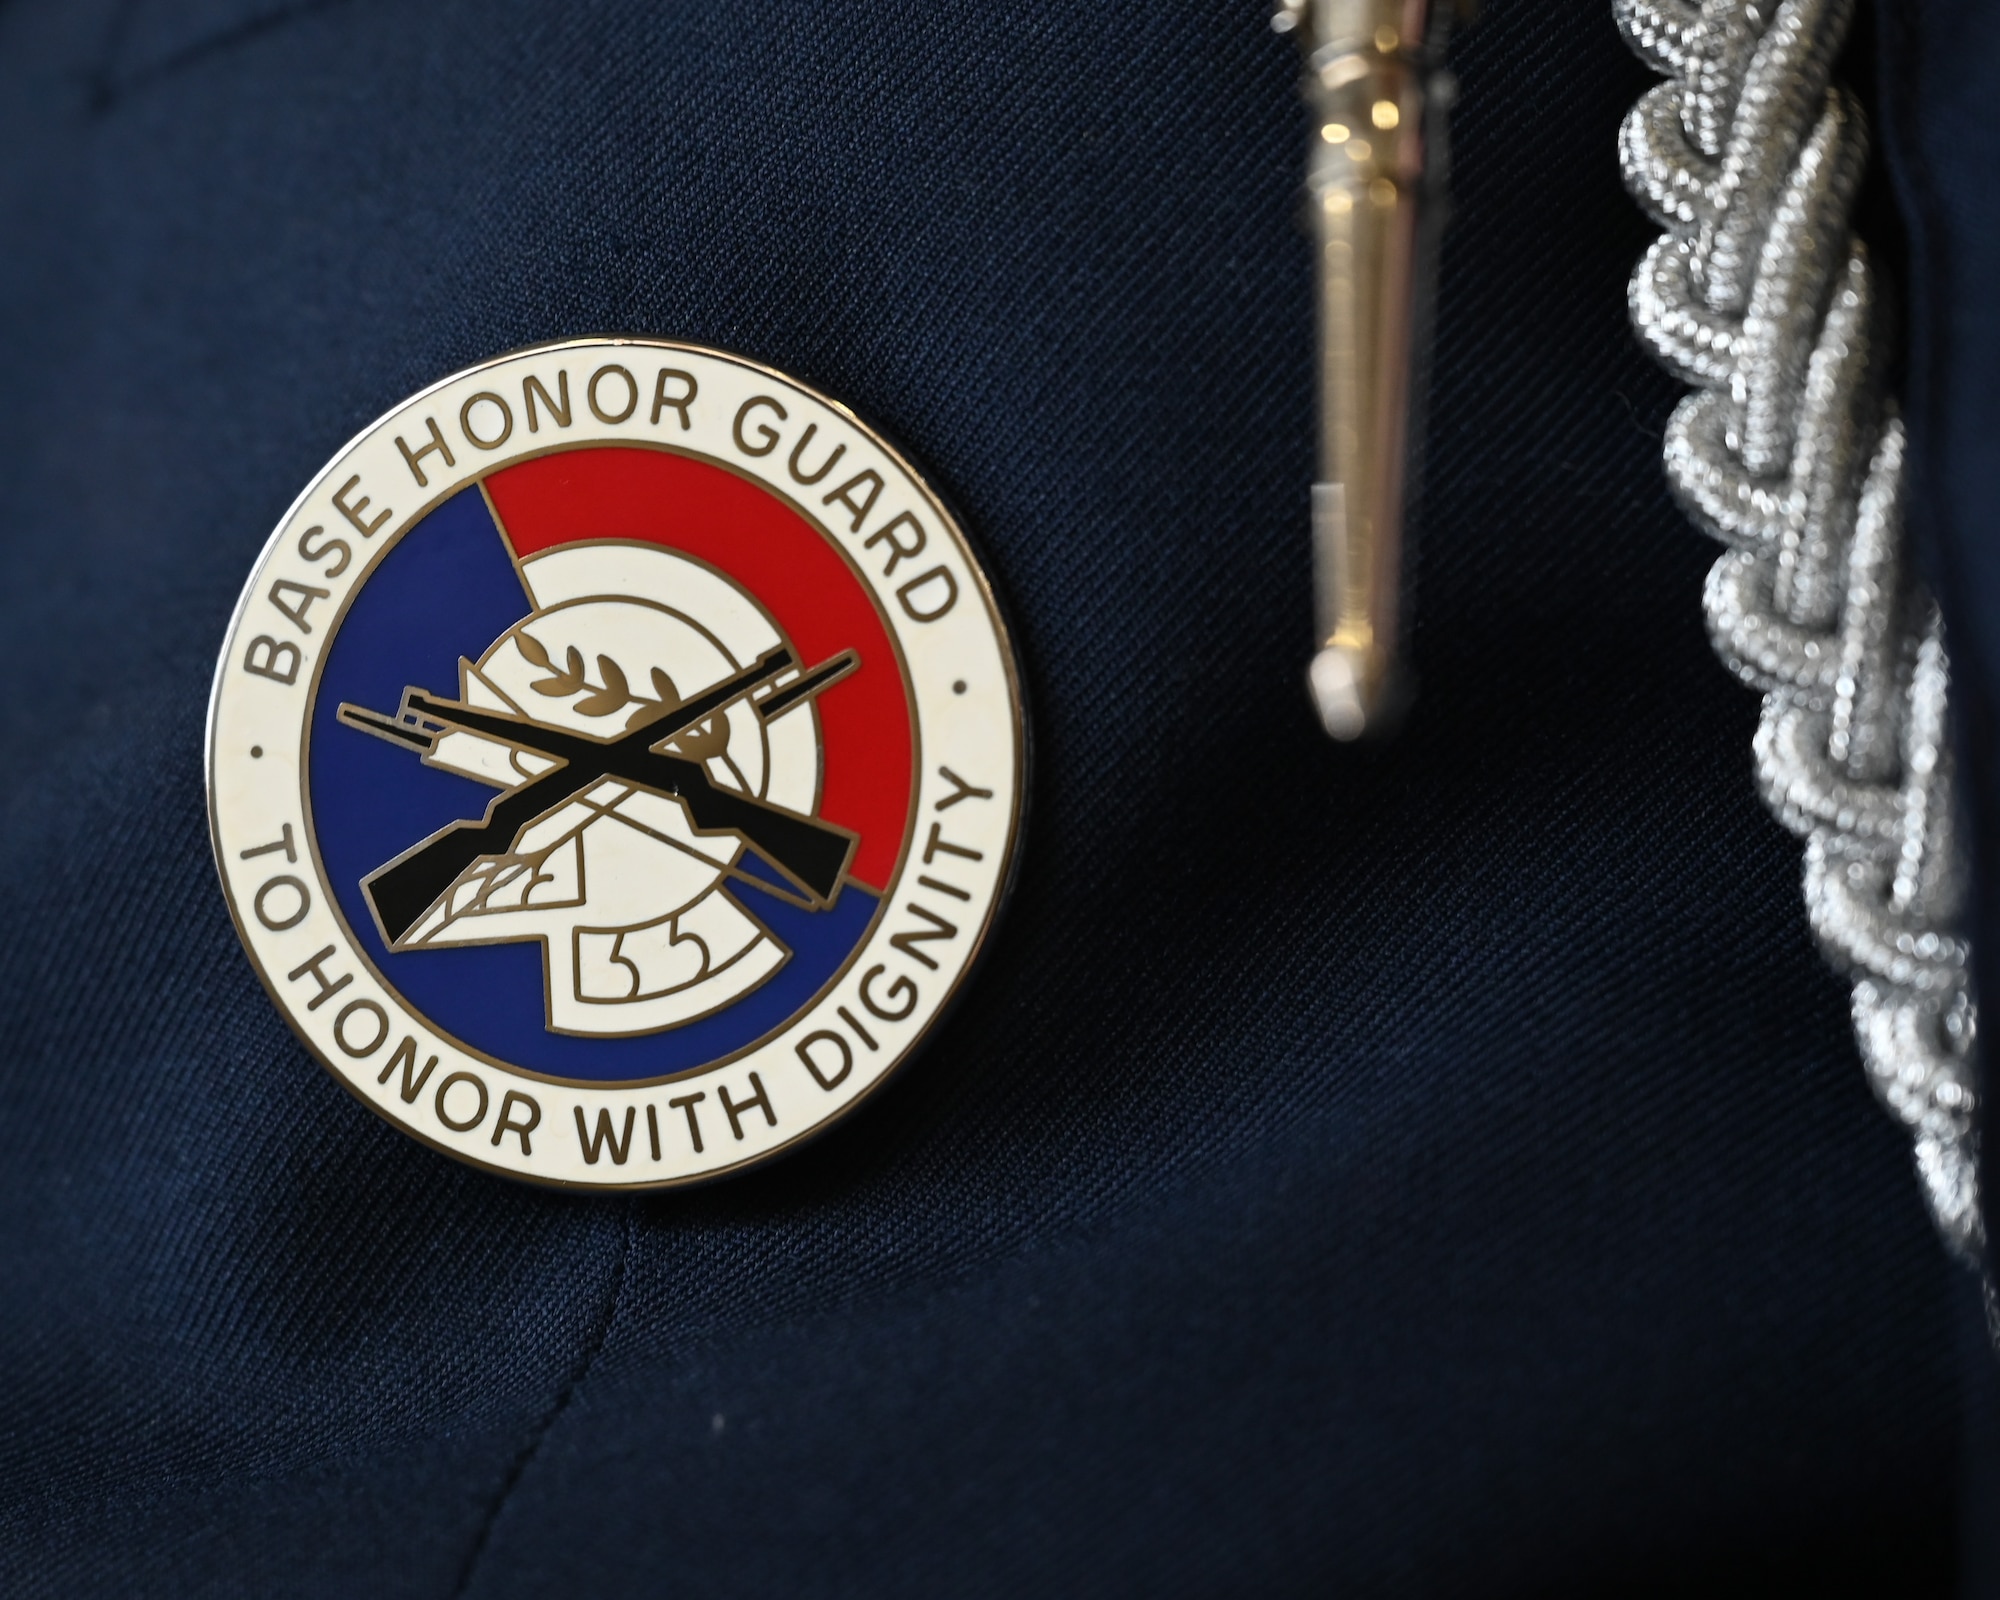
(447, 590)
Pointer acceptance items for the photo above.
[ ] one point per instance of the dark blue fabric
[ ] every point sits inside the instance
(1434, 1170)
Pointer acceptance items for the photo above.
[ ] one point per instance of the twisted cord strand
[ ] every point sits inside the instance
(1759, 294)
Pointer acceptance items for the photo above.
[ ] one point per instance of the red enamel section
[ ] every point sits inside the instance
(782, 560)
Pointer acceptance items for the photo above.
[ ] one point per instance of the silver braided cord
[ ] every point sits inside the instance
(1788, 452)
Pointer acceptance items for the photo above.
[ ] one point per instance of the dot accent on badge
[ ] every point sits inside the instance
(958, 687)
(256, 752)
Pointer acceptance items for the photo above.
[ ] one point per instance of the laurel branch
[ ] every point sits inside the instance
(614, 694)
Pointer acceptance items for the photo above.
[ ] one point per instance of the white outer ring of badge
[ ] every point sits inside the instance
(469, 1106)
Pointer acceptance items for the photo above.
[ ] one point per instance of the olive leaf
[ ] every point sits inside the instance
(564, 680)
(533, 649)
(615, 694)
(665, 698)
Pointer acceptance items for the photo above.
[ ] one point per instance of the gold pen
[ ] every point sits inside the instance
(1375, 179)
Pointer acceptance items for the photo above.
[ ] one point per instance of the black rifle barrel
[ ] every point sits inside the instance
(811, 853)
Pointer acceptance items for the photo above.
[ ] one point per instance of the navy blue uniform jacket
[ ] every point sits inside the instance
(1440, 1169)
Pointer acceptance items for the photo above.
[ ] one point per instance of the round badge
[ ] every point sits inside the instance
(615, 763)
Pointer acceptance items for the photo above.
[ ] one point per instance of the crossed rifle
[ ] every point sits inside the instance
(810, 854)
